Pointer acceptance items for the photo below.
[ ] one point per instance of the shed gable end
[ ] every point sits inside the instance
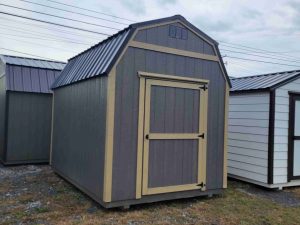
(174, 35)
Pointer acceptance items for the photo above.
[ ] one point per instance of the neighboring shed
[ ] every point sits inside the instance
(25, 108)
(264, 129)
(140, 117)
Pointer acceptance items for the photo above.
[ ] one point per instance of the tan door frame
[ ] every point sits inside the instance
(146, 81)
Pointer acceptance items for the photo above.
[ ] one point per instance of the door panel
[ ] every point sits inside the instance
(297, 118)
(173, 162)
(296, 158)
(175, 136)
(174, 110)
(294, 137)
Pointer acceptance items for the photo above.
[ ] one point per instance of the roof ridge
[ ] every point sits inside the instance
(266, 74)
(29, 58)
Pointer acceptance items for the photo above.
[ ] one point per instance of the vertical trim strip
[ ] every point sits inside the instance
(52, 124)
(271, 137)
(140, 145)
(6, 126)
(146, 141)
(202, 141)
(110, 117)
(226, 108)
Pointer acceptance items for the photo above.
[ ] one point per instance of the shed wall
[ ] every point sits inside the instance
(28, 129)
(248, 129)
(79, 128)
(126, 113)
(281, 131)
(2, 116)
(160, 36)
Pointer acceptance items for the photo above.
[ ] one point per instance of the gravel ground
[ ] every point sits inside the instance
(36, 195)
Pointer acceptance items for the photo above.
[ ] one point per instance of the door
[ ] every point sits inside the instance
(174, 150)
(294, 140)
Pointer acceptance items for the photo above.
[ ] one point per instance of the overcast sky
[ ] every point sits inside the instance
(273, 26)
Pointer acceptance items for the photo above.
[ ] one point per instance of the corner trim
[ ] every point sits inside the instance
(271, 137)
(51, 134)
(226, 109)
(109, 139)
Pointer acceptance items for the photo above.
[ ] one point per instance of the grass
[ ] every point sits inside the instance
(69, 206)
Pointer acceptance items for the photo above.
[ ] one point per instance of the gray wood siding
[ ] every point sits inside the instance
(160, 36)
(29, 124)
(126, 114)
(2, 116)
(79, 134)
(281, 131)
(248, 136)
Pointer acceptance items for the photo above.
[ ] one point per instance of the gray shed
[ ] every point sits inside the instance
(140, 117)
(25, 108)
(264, 129)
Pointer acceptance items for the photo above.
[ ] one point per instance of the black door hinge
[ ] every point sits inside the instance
(201, 136)
(204, 87)
(202, 185)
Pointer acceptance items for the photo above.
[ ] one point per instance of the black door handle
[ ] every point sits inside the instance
(147, 136)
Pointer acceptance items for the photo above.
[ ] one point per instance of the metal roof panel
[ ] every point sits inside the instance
(263, 81)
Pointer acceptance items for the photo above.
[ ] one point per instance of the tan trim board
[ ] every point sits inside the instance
(140, 145)
(203, 141)
(170, 77)
(52, 124)
(108, 159)
(226, 135)
(164, 83)
(173, 136)
(146, 141)
(158, 48)
(159, 190)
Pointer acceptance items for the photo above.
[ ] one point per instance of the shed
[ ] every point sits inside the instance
(25, 108)
(264, 129)
(140, 117)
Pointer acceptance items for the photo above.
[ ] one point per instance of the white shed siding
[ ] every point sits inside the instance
(281, 131)
(248, 136)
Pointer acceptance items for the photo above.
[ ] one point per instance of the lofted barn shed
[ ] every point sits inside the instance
(264, 129)
(25, 108)
(140, 117)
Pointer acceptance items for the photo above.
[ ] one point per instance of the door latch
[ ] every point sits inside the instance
(202, 185)
(201, 136)
(147, 136)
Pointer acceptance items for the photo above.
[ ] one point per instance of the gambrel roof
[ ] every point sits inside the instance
(100, 58)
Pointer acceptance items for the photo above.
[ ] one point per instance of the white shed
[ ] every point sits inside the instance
(264, 129)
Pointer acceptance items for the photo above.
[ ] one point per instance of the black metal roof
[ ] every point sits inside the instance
(264, 81)
(31, 62)
(99, 59)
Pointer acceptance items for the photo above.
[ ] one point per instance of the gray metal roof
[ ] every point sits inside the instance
(263, 82)
(92, 62)
(30, 62)
(99, 59)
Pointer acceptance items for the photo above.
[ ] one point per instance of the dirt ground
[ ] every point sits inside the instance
(35, 195)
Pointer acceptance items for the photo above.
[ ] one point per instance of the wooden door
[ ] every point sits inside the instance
(174, 153)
